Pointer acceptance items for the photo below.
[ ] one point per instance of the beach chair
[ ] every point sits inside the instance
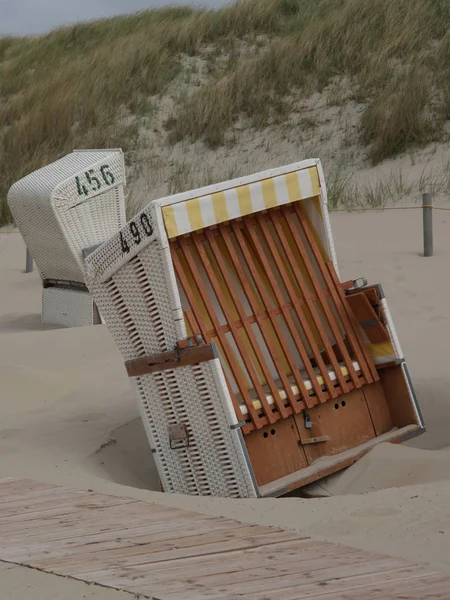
(72, 204)
(257, 370)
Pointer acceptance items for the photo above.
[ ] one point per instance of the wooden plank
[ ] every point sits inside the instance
(299, 577)
(234, 292)
(402, 580)
(368, 318)
(200, 325)
(422, 587)
(398, 396)
(262, 322)
(228, 351)
(289, 322)
(25, 506)
(274, 246)
(115, 535)
(315, 440)
(70, 517)
(60, 508)
(303, 392)
(338, 297)
(14, 487)
(275, 451)
(88, 523)
(305, 554)
(378, 407)
(263, 314)
(246, 359)
(223, 547)
(325, 308)
(34, 495)
(121, 549)
(144, 574)
(274, 250)
(240, 578)
(169, 360)
(354, 332)
(345, 421)
(86, 517)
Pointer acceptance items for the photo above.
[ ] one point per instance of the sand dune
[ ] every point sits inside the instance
(68, 415)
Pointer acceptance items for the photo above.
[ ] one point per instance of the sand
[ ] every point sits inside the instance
(68, 415)
(19, 583)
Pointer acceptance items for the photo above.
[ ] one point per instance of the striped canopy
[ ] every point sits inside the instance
(197, 213)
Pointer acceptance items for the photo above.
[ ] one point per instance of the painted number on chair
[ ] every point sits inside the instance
(93, 180)
(139, 228)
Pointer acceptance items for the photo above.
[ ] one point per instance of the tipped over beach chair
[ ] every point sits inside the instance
(62, 209)
(257, 370)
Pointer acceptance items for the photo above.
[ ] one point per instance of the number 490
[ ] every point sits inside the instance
(137, 233)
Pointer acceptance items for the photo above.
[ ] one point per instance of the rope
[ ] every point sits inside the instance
(382, 209)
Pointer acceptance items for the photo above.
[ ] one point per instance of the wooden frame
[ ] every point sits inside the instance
(276, 311)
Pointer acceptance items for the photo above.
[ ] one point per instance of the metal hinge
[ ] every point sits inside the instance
(178, 436)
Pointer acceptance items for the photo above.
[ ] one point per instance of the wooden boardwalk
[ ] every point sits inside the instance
(169, 554)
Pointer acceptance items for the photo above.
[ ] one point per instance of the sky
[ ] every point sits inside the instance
(24, 17)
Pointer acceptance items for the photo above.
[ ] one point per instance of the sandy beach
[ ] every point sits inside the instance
(68, 415)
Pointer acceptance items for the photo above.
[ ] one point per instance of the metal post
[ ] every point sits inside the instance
(427, 201)
(29, 263)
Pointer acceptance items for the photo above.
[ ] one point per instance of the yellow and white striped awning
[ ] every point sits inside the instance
(196, 213)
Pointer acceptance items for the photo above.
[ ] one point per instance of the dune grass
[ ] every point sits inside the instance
(395, 54)
(80, 86)
(75, 86)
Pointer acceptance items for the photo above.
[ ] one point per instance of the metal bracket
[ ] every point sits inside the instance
(178, 436)
(178, 357)
(357, 284)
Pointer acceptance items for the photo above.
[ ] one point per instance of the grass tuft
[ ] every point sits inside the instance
(400, 116)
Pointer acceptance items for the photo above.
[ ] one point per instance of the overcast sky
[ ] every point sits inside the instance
(22, 17)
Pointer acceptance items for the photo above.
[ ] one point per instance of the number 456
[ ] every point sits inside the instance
(93, 181)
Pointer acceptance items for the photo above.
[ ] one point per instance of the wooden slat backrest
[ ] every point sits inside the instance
(261, 289)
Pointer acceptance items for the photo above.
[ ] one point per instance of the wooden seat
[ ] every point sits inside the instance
(294, 388)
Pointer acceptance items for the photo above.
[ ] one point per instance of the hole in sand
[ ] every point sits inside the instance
(125, 458)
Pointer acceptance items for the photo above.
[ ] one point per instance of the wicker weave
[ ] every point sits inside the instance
(137, 297)
(69, 308)
(74, 203)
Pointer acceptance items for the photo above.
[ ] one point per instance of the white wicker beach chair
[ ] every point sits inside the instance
(256, 370)
(61, 210)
